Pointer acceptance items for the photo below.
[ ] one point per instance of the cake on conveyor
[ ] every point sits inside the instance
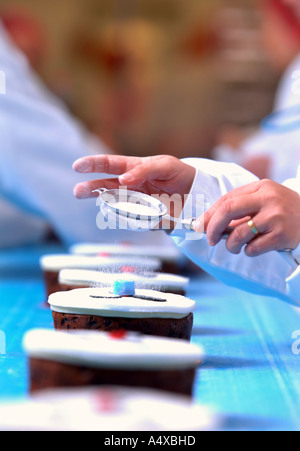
(106, 408)
(52, 265)
(86, 358)
(69, 279)
(169, 255)
(124, 307)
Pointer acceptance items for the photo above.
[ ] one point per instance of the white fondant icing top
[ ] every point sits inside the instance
(102, 302)
(58, 262)
(165, 253)
(106, 408)
(91, 278)
(102, 350)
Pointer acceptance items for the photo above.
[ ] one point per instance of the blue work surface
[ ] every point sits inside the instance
(250, 375)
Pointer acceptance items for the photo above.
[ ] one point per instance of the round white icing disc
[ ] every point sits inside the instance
(103, 302)
(155, 280)
(165, 252)
(107, 409)
(110, 350)
(64, 261)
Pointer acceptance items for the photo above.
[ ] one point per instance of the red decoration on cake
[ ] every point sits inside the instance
(126, 243)
(128, 269)
(118, 334)
(105, 401)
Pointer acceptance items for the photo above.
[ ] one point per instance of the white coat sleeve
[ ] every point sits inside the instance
(40, 141)
(268, 275)
(33, 230)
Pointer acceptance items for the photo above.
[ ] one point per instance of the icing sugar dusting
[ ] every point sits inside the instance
(136, 209)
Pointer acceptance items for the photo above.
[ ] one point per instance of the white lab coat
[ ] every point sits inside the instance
(282, 148)
(39, 141)
(269, 274)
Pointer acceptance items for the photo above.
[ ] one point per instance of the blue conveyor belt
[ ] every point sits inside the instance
(250, 374)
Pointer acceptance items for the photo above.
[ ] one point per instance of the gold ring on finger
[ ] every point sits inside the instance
(253, 227)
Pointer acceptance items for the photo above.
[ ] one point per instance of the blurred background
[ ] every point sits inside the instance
(151, 76)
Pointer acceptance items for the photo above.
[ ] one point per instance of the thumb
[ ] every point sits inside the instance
(202, 222)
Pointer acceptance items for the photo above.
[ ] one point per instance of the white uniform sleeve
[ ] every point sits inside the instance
(18, 228)
(268, 275)
(40, 141)
(294, 184)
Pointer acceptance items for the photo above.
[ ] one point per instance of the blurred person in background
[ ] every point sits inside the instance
(27, 34)
(269, 153)
(40, 139)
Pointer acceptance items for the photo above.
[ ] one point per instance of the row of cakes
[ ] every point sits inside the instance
(108, 408)
(153, 267)
(116, 327)
(133, 295)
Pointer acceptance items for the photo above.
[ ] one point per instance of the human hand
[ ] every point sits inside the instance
(274, 209)
(161, 174)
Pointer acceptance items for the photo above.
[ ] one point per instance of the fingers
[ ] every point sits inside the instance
(232, 209)
(108, 164)
(254, 245)
(160, 173)
(261, 245)
(242, 235)
(133, 171)
(274, 209)
(241, 191)
(151, 169)
(85, 190)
